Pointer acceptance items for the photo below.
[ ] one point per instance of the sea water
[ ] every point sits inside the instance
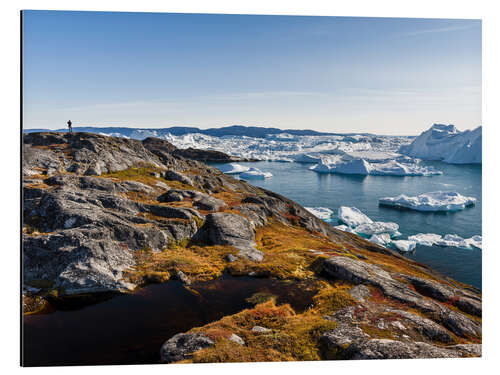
(311, 189)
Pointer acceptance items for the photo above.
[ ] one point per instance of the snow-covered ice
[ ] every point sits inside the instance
(449, 240)
(344, 228)
(426, 239)
(232, 168)
(358, 166)
(447, 143)
(352, 216)
(404, 245)
(433, 201)
(255, 173)
(323, 213)
(381, 239)
(378, 227)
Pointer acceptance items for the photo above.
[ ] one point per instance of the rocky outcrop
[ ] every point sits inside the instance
(231, 229)
(182, 346)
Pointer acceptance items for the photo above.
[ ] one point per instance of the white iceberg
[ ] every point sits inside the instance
(380, 239)
(323, 213)
(363, 167)
(232, 168)
(433, 201)
(426, 239)
(475, 241)
(446, 143)
(453, 240)
(378, 227)
(404, 245)
(255, 173)
(344, 228)
(353, 216)
(449, 240)
(307, 158)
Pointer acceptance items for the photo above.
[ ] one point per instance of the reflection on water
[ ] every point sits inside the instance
(130, 329)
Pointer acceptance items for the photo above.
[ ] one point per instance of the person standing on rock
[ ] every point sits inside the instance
(70, 127)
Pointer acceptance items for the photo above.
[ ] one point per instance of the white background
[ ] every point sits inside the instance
(10, 172)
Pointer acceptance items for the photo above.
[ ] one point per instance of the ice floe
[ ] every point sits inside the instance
(382, 239)
(233, 168)
(255, 173)
(447, 143)
(426, 239)
(323, 213)
(404, 245)
(363, 167)
(449, 240)
(378, 227)
(433, 201)
(352, 216)
(344, 228)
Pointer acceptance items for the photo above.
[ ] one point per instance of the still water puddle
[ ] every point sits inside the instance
(130, 329)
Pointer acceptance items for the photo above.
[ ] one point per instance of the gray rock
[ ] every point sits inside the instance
(459, 324)
(432, 288)
(236, 339)
(426, 326)
(182, 346)
(209, 203)
(231, 258)
(360, 292)
(343, 336)
(182, 277)
(231, 229)
(259, 329)
(177, 176)
(171, 196)
(359, 272)
(392, 349)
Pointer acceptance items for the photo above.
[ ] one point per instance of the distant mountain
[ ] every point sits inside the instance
(235, 130)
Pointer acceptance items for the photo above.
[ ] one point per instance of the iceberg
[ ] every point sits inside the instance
(378, 227)
(404, 245)
(380, 239)
(449, 240)
(433, 201)
(232, 168)
(447, 143)
(344, 228)
(352, 216)
(255, 173)
(426, 239)
(322, 213)
(475, 241)
(363, 167)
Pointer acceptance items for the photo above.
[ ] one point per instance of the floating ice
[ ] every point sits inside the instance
(453, 240)
(449, 240)
(404, 245)
(434, 201)
(363, 167)
(344, 228)
(446, 143)
(378, 227)
(255, 173)
(380, 239)
(352, 216)
(475, 241)
(426, 239)
(232, 168)
(323, 213)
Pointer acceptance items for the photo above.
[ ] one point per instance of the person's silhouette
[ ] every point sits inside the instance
(70, 127)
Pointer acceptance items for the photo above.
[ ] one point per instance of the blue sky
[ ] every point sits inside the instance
(386, 76)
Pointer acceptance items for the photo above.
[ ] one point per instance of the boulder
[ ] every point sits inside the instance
(182, 346)
(177, 176)
(231, 229)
